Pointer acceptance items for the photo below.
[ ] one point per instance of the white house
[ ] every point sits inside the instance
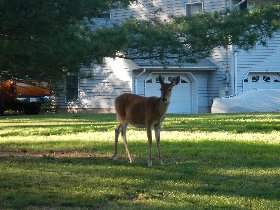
(227, 72)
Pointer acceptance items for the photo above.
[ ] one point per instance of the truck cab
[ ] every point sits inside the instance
(26, 95)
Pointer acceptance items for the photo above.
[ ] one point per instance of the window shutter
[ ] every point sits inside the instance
(71, 88)
(193, 8)
(188, 10)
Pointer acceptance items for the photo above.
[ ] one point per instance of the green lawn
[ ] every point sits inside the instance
(61, 161)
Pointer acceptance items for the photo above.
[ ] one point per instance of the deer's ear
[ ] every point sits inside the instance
(175, 81)
(160, 79)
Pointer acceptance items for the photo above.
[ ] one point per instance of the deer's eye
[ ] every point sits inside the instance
(169, 90)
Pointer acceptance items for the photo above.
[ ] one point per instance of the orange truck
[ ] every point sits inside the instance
(26, 95)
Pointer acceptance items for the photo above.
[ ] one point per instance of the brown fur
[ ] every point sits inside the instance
(145, 112)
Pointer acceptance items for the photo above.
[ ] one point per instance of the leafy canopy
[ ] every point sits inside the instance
(190, 38)
(49, 38)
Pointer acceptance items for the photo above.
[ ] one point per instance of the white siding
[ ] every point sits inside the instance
(218, 5)
(109, 79)
(202, 90)
(217, 79)
(261, 59)
(144, 8)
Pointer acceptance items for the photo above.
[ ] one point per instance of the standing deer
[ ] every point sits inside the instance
(143, 112)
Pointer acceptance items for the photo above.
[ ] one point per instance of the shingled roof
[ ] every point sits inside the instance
(202, 64)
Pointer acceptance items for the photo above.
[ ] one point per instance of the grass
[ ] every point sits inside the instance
(60, 161)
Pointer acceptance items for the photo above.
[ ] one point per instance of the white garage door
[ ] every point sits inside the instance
(258, 80)
(181, 93)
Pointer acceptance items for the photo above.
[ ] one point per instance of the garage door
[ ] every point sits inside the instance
(258, 80)
(181, 93)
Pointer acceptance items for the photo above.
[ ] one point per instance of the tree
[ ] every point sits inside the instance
(50, 38)
(191, 38)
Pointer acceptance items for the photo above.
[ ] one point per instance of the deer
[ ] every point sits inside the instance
(143, 112)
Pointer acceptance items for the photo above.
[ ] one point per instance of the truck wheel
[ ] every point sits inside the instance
(2, 110)
(32, 109)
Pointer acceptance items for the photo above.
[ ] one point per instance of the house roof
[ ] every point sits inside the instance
(202, 64)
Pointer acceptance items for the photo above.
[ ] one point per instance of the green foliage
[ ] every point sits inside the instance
(63, 161)
(108, 42)
(146, 40)
(190, 38)
(48, 38)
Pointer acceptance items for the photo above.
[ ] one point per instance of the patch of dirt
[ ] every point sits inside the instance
(50, 153)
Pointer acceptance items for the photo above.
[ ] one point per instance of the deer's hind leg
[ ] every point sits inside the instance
(124, 127)
(117, 133)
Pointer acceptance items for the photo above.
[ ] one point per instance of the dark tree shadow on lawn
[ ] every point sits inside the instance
(198, 168)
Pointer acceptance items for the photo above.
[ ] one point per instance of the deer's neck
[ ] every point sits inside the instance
(162, 108)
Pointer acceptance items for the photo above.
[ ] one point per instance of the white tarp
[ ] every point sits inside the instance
(262, 100)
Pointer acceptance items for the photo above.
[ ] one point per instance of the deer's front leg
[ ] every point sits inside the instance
(149, 135)
(157, 136)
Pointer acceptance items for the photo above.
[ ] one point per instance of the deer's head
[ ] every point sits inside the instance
(166, 88)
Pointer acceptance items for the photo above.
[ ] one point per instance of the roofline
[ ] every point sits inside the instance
(178, 67)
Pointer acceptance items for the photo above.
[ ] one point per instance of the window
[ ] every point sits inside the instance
(157, 79)
(266, 78)
(149, 81)
(246, 80)
(193, 8)
(184, 81)
(71, 88)
(255, 78)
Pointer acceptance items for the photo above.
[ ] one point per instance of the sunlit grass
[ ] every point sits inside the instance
(211, 161)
